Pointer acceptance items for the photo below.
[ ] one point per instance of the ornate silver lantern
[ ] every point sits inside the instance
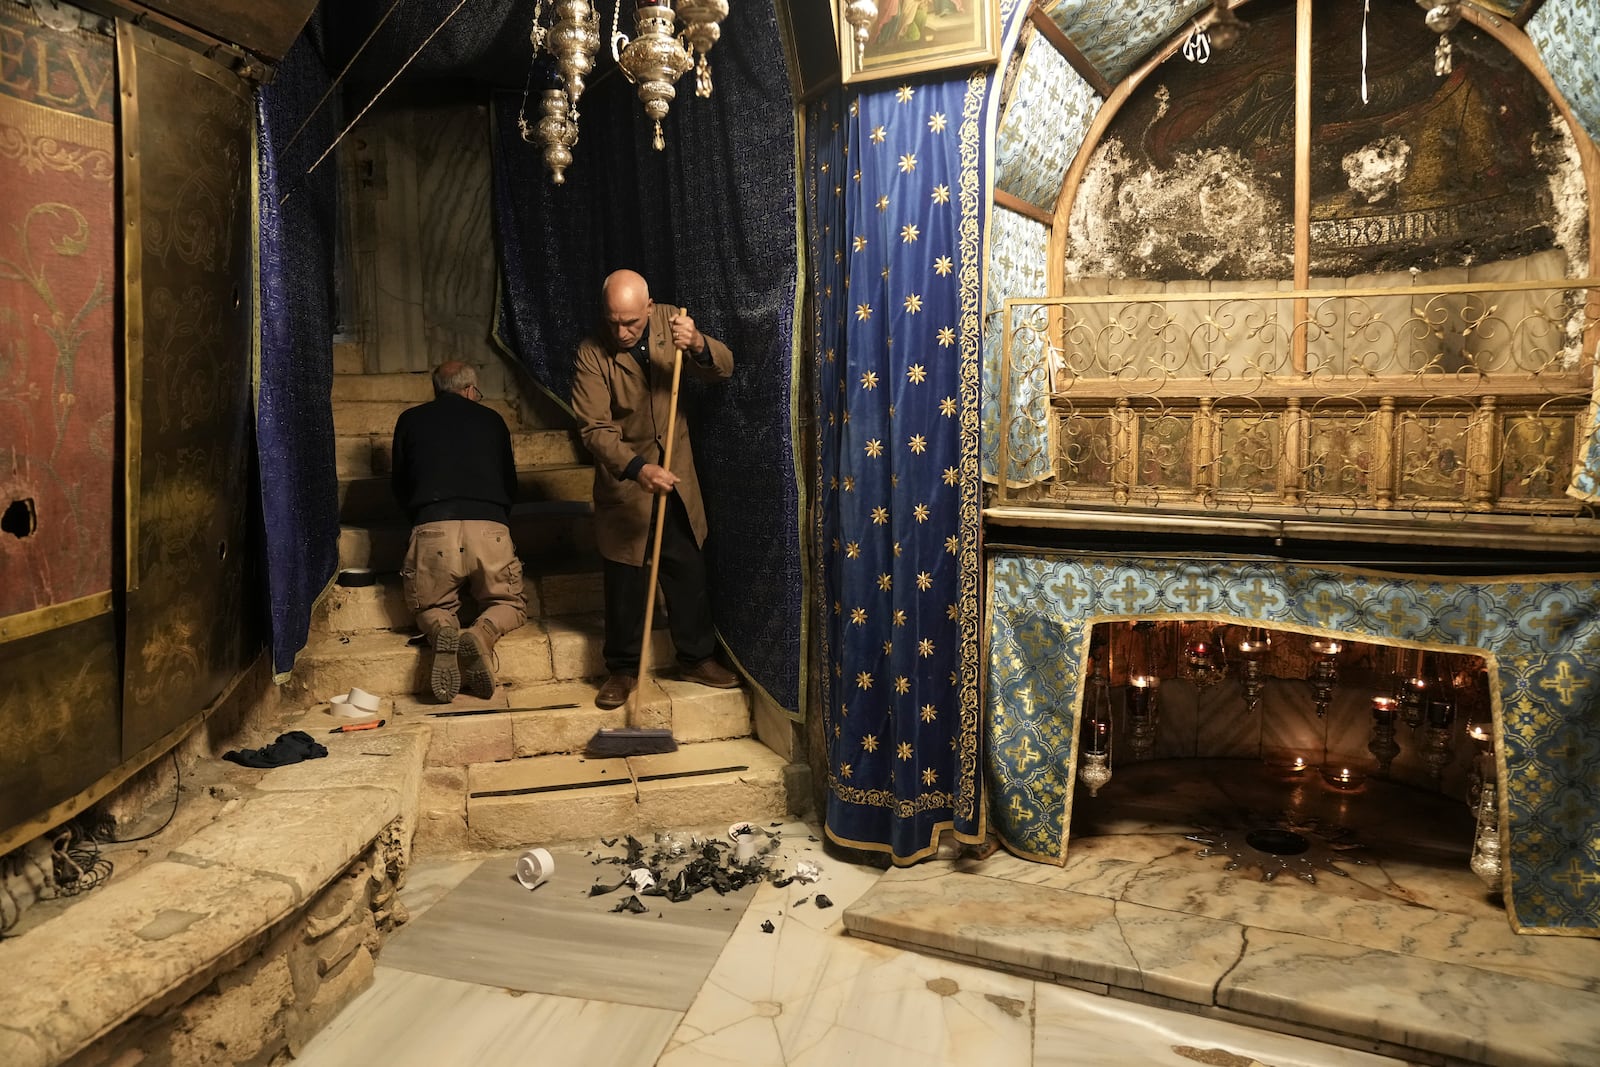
(862, 15)
(653, 60)
(701, 29)
(573, 40)
(557, 133)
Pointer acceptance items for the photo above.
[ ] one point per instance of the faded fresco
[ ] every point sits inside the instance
(1195, 177)
(57, 284)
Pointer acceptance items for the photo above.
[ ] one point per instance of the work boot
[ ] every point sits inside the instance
(444, 679)
(477, 651)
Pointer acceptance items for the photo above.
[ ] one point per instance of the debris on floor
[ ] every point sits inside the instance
(677, 866)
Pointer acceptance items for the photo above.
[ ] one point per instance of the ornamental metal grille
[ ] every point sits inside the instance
(1436, 400)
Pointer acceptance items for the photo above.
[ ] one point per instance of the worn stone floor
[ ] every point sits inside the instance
(485, 985)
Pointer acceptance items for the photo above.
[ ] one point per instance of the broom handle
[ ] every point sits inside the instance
(661, 518)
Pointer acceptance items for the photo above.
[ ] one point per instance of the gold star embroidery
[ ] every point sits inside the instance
(859, 244)
(947, 406)
(852, 550)
(924, 581)
(902, 684)
(845, 770)
(885, 581)
(943, 266)
(878, 135)
(857, 177)
(888, 648)
(920, 513)
(952, 543)
(925, 647)
(916, 374)
(836, 607)
(825, 168)
(950, 476)
(952, 613)
(883, 203)
(863, 312)
(929, 776)
(909, 233)
(904, 94)
(874, 448)
(936, 122)
(855, 108)
(870, 742)
(880, 516)
(903, 750)
(829, 356)
(869, 380)
(849, 479)
(917, 444)
(858, 616)
(838, 190)
(836, 544)
(941, 194)
(897, 550)
(833, 482)
(929, 713)
(863, 680)
(908, 163)
(913, 303)
(947, 336)
(899, 617)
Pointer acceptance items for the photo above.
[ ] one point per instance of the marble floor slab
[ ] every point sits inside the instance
(558, 939)
(417, 1020)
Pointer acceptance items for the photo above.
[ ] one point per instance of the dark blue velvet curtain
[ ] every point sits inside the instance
(294, 412)
(710, 222)
(894, 184)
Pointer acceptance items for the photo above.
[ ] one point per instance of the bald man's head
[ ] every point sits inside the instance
(625, 305)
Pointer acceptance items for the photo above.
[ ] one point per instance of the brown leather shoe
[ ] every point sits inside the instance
(709, 672)
(614, 693)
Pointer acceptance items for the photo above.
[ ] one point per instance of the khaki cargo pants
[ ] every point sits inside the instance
(446, 556)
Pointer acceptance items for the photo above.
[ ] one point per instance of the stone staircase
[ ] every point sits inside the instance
(506, 771)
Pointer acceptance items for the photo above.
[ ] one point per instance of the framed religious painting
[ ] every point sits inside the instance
(892, 38)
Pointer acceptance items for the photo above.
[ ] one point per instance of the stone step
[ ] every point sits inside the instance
(352, 417)
(546, 718)
(565, 587)
(366, 455)
(413, 387)
(711, 783)
(556, 529)
(367, 499)
(383, 662)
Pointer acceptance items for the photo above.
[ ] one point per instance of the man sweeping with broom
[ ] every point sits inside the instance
(648, 512)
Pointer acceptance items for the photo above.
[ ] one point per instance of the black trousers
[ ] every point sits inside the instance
(683, 582)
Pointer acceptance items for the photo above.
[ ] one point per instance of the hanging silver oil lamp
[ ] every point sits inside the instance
(702, 28)
(653, 60)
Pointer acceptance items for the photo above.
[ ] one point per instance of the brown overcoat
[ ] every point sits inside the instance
(621, 415)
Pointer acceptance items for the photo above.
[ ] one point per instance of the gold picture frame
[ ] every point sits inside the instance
(914, 36)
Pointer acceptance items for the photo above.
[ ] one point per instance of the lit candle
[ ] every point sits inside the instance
(1477, 732)
(1139, 692)
(1099, 736)
(1299, 764)
(1383, 708)
(1325, 647)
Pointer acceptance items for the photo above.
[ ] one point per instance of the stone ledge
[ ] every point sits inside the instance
(143, 943)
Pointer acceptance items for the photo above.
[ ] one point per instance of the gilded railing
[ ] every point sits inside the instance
(1440, 401)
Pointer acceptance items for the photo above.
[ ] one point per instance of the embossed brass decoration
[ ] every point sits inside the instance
(653, 60)
(571, 39)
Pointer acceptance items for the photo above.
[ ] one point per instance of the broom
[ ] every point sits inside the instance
(638, 738)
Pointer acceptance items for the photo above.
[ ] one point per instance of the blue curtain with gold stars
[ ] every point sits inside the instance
(895, 192)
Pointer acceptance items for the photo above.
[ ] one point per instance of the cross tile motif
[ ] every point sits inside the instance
(1128, 594)
(1564, 684)
(1193, 594)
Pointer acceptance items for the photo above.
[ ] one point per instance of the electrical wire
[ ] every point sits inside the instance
(340, 78)
(177, 791)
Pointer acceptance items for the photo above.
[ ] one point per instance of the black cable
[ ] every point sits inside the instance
(177, 790)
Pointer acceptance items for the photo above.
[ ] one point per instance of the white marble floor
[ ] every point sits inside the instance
(804, 995)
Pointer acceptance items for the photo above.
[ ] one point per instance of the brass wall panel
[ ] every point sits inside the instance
(265, 27)
(59, 716)
(191, 621)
